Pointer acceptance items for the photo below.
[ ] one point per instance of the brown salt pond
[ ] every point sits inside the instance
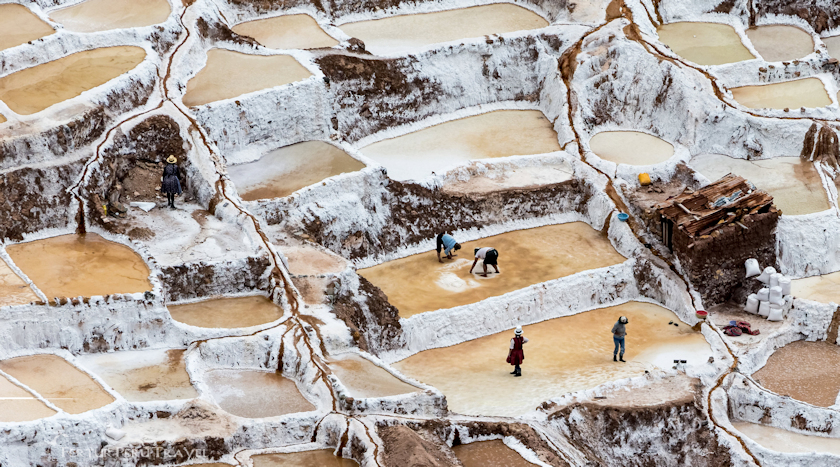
(13, 291)
(777, 43)
(236, 312)
(489, 454)
(283, 171)
(57, 381)
(20, 405)
(19, 26)
(442, 147)
(704, 43)
(103, 15)
(287, 32)
(630, 147)
(420, 283)
(825, 288)
(805, 371)
(144, 375)
(230, 74)
(255, 394)
(795, 184)
(319, 458)
(779, 440)
(564, 355)
(808, 92)
(403, 33)
(364, 379)
(81, 265)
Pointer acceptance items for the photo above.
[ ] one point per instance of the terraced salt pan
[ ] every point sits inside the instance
(20, 405)
(704, 43)
(143, 375)
(103, 15)
(777, 439)
(795, 184)
(825, 288)
(58, 381)
(283, 171)
(420, 283)
(255, 394)
(442, 147)
(564, 355)
(404, 33)
(238, 312)
(13, 291)
(631, 147)
(777, 43)
(489, 454)
(808, 92)
(364, 379)
(320, 458)
(19, 26)
(34, 89)
(229, 74)
(805, 371)
(832, 44)
(287, 32)
(305, 260)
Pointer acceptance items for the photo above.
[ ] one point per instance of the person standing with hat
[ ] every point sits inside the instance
(619, 331)
(170, 184)
(516, 355)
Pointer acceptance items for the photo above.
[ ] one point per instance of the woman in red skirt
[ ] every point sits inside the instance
(516, 355)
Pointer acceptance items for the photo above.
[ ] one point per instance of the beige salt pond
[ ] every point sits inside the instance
(825, 288)
(34, 89)
(103, 15)
(255, 394)
(805, 371)
(20, 405)
(19, 26)
(779, 440)
(13, 291)
(776, 43)
(808, 92)
(630, 147)
(287, 32)
(489, 454)
(364, 379)
(319, 458)
(229, 74)
(832, 44)
(704, 43)
(283, 171)
(306, 260)
(236, 312)
(81, 265)
(403, 33)
(795, 184)
(442, 147)
(143, 375)
(420, 283)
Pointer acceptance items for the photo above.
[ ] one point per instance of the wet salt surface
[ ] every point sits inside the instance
(631, 147)
(238, 312)
(144, 375)
(364, 379)
(779, 440)
(58, 381)
(255, 394)
(230, 74)
(13, 291)
(825, 288)
(776, 43)
(283, 171)
(808, 92)
(81, 265)
(805, 371)
(794, 184)
(34, 89)
(20, 405)
(287, 32)
(320, 458)
(489, 454)
(564, 355)
(19, 26)
(103, 15)
(420, 283)
(704, 43)
(442, 147)
(404, 33)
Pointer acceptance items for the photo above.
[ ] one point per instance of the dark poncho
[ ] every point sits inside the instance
(170, 184)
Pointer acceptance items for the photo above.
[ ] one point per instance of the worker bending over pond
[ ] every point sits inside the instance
(516, 355)
(619, 331)
(490, 257)
(447, 243)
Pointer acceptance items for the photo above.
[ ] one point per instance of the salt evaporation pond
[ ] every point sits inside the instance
(563, 355)
(143, 375)
(364, 379)
(420, 283)
(630, 147)
(20, 405)
(805, 371)
(306, 260)
(403, 33)
(779, 440)
(287, 32)
(81, 265)
(236, 312)
(489, 454)
(13, 291)
(57, 381)
(704, 43)
(442, 147)
(808, 92)
(255, 394)
(776, 43)
(825, 288)
(34, 89)
(319, 458)
(832, 44)
(795, 184)
(19, 26)
(103, 15)
(283, 171)
(229, 74)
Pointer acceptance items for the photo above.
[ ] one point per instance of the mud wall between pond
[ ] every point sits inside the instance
(203, 279)
(373, 322)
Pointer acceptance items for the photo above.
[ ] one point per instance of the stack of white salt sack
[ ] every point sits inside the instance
(772, 301)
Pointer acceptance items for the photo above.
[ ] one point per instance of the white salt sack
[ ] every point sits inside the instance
(776, 295)
(752, 304)
(774, 279)
(784, 283)
(753, 269)
(776, 313)
(763, 295)
(764, 309)
(765, 276)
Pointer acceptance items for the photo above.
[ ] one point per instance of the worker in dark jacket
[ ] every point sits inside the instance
(516, 355)
(446, 243)
(169, 182)
(619, 331)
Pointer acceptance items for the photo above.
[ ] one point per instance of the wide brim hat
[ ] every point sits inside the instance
(171, 159)
(518, 330)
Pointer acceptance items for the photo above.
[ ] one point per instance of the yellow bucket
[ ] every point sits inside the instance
(644, 179)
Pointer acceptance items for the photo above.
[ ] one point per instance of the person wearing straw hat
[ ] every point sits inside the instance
(169, 182)
(516, 355)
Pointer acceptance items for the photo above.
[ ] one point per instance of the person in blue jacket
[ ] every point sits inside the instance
(447, 243)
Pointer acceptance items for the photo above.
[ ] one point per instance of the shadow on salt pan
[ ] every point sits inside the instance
(825, 288)
(320, 458)
(104, 15)
(365, 379)
(287, 32)
(19, 26)
(779, 440)
(630, 147)
(143, 375)
(255, 394)
(489, 454)
(236, 312)
(808, 93)
(704, 43)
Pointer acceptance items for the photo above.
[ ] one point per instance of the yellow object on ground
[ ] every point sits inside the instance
(644, 179)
